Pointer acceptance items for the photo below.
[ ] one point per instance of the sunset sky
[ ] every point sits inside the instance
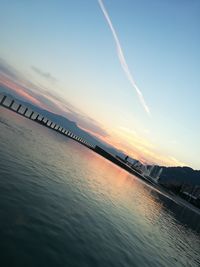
(127, 71)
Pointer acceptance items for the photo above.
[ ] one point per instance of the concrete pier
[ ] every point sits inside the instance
(12, 105)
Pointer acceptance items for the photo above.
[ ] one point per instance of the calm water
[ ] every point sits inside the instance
(63, 205)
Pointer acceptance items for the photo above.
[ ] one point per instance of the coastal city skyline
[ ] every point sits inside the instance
(66, 61)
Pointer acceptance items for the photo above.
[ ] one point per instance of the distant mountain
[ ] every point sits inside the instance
(176, 176)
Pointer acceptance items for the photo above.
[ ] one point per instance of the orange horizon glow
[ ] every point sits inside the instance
(19, 90)
(140, 149)
(123, 139)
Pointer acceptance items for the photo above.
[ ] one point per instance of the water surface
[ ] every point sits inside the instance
(63, 205)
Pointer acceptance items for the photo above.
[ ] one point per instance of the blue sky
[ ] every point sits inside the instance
(67, 48)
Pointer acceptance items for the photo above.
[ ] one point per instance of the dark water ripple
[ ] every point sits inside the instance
(63, 205)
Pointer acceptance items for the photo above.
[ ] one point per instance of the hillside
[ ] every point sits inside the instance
(179, 176)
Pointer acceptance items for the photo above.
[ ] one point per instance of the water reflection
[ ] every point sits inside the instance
(63, 194)
(182, 214)
(134, 195)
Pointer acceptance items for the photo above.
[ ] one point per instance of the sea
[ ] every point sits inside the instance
(61, 204)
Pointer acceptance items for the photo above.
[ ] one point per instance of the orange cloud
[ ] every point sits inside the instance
(19, 90)
(142, 149)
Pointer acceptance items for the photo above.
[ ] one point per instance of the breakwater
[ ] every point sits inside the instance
(22, 110)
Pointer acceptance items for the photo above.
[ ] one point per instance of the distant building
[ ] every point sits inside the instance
(155, 172)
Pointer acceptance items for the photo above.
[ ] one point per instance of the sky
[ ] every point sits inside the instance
(126, 71)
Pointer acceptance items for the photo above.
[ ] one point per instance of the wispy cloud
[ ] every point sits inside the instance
(44, 74)
(122, 59)
(9, 71)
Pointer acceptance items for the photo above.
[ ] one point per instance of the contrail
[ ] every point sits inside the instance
(122, 58)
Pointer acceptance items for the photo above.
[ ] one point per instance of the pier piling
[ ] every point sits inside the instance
(18, 108)
(31, 115)
(3, 99)
(37, 117)
(25, 111)
(12, 102)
